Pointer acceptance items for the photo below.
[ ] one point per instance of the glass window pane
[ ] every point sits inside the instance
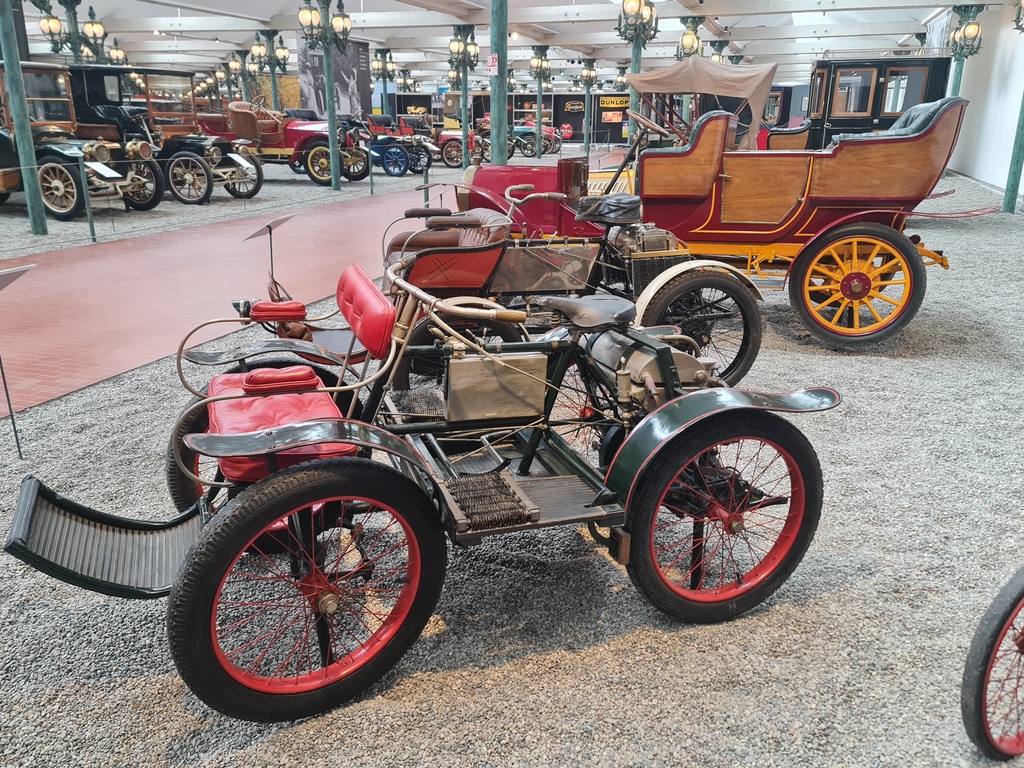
(904, 87)
(854, 89)
(817, 95)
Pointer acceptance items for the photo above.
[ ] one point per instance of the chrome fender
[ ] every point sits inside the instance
(303, 433)
(669, 274)
(685, 413)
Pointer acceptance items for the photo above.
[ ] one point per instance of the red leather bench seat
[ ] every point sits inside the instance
(251, 414)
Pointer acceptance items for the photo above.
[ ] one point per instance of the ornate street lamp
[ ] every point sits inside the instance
(737, 59)
(405, 82)
(322, 30)
(638, 24)
(689, 42)
(965, 41)
(540, 70)
(620, 79)
(266, 55)
(588, 76)
(383, 69)
(718, 46)
(463, 56)
(85, 43)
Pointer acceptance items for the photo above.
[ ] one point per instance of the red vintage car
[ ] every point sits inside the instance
(301, 144)
(830, 222)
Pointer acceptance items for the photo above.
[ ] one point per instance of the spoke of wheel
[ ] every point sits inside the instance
(834, 322)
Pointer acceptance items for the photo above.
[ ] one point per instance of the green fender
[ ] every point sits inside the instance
(685, 413)
(303, 433)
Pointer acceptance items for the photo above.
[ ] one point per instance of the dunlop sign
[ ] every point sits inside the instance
(615, 101)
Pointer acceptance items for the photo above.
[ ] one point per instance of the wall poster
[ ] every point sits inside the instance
(352, 91)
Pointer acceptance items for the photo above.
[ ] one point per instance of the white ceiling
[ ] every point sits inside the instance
(791, 33)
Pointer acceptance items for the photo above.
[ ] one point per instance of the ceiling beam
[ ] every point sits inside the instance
(173, 24)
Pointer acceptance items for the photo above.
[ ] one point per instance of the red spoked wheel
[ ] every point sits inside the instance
(723, 516)
(306, 590)
(992, 693)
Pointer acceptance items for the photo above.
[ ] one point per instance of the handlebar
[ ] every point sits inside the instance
(518, 201)
(438, 305)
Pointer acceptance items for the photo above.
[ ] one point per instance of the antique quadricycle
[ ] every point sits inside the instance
(830, 222)
(314, 552)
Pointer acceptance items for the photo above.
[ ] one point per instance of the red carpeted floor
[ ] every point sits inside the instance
(86, 314)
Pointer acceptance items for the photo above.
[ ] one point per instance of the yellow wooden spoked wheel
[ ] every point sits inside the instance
(858, 284)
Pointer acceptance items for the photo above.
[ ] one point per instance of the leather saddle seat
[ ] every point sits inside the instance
(591, 312)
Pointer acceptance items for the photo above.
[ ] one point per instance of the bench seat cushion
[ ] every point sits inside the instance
(251, 414)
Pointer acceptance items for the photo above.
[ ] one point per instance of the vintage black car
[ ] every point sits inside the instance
(125, 171)
(159, 106)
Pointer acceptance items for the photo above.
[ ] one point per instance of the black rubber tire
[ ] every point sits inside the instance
(996, 641)
(241, 657)
(451, 153)
(419, 159)
(802, 272)
(183, 491)
(298, 166)
(251, 187)
(394, 159)
(778, 461)
(189, 178)
(357, 167)
(4, 197)
(53, 171)
(529, 144)
(317, 161)
(428, 371)
(154, 193)
(718, 311)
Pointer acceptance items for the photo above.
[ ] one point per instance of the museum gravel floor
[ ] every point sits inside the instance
(540, 651)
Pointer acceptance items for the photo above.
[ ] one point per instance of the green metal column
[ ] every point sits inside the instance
(273, 89)
(1016, 159)
(327, 35)
(464, 115)
(634, 97)
(22, 125)
(243, 74)
(499, 83)
(588, 103)
(227, 82)
(958, 72)
(383, 95)
(540, 116)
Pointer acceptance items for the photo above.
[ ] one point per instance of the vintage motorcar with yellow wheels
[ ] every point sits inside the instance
(829, 223)
(113, 170)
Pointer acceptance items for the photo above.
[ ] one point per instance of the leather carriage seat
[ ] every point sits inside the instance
(259, 126)
(915, 121)
(804, 125)
(494, 228)
(279, 396)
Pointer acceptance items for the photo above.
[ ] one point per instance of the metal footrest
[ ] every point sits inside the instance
(489, 501)
(413, 405)
(104, 553)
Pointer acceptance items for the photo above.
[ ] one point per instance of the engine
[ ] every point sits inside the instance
(642, 238)
(633, 365)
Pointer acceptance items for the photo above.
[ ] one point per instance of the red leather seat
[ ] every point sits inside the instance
(273, 399)
(251, 414)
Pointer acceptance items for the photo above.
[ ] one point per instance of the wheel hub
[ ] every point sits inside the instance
(189, 179)
(855, 285)
(731, 521)
(57, 187)
(321, 594)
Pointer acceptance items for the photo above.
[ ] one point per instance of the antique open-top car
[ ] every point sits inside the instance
(158, 107)
(303, 145)
(829, 222)
(310, 552)
(115, 169)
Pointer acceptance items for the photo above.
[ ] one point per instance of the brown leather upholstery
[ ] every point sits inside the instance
(494, 228)
(260, 126)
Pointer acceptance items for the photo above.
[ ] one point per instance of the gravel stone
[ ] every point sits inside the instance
(541, 653)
